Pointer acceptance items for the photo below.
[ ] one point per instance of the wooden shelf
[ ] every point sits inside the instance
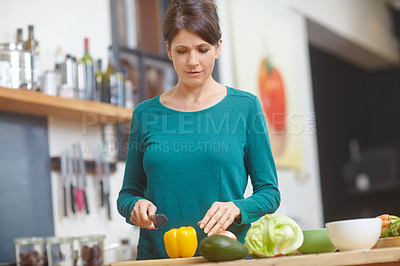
(37, 103)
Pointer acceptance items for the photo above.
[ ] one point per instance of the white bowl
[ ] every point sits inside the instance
(355, 234)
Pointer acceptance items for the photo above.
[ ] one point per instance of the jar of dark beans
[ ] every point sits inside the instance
(60, 251)
(91, 250)
(29, 251)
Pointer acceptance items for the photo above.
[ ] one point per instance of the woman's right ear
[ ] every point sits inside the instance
(168, 50)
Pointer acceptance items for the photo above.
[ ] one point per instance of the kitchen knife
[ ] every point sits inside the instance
(107, 186)
(64, 169)
(158, 220)
(99, 177)
(82, 168)
(78, 189)
(70, 174)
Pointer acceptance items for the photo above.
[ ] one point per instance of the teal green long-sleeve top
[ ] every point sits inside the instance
(185, 161)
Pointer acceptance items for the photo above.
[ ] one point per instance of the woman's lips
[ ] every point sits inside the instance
(193, 73)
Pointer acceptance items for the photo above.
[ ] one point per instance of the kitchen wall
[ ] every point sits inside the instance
(288, 46)
(61, 24)
(65, 23)
(366, 24)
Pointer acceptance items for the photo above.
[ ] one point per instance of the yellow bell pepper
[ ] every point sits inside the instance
(181, 243)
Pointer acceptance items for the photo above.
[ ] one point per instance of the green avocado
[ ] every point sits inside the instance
(222, 248)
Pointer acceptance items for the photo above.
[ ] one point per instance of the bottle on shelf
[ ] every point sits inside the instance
(81, 81)
(128, 91)
(68, 80)
(32, 45)
(89, 72)
(99, 81)
(59, 68)
(129, 94)
(109, 80)
(117, 92)
(19, 35)
(59, 57)
(69, 72)
(75, 84)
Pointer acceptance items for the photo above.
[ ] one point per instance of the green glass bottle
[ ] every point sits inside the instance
(90, 76)
(99, 81)
(109, 80)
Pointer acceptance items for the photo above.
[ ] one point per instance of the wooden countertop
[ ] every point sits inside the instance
(375, 257)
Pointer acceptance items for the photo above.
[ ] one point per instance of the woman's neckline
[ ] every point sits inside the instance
(198, 111)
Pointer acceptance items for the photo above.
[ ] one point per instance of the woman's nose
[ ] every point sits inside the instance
(192, 60)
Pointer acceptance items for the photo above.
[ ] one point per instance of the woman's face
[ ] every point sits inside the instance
(193, 58)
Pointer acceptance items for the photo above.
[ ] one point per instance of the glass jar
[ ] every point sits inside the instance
(91, 250)
(60, 251)
(29, 251)
(125, 250)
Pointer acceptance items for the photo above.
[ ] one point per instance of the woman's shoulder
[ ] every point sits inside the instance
(243, 95)
(145, 105)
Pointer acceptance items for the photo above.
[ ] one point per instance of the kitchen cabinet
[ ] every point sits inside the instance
(375, 257)
(37, 103)
(26, 207)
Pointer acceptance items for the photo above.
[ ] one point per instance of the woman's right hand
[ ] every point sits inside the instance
(140, 214)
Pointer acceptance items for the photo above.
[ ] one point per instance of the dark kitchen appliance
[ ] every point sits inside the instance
(372, 170)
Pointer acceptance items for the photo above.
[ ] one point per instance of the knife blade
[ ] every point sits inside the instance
(99, 177)
(64, 173)
(70, 174)
(107, 186)
(158, 220)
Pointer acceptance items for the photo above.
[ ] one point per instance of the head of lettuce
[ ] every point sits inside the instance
(272, 235)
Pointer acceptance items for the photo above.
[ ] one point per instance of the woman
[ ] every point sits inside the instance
(192, 148)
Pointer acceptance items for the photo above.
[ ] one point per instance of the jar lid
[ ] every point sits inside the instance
(92, 238)
(56, 240)
(29, 240)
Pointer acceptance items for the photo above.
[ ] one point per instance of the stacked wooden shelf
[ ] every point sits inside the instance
(37, 103)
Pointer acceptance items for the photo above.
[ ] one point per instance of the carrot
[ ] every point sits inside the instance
(384, 217)
(385, 223)
(393, 228)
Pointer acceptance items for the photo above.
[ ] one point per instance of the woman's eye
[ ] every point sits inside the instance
(203, 51)
(180, 52)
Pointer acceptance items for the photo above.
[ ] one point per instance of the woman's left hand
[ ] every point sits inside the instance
(219, 217)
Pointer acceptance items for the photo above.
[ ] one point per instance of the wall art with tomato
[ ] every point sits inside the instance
(264, 51)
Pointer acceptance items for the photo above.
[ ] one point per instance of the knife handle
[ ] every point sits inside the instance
(108, 206)
(72, 198)
(65, 200)
(101, 193)
(86, 202)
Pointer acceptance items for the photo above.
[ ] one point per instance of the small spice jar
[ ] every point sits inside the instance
(60, 251)
(29, 251)
(91, 250)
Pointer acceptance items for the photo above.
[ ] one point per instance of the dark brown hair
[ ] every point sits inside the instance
(198, 16)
